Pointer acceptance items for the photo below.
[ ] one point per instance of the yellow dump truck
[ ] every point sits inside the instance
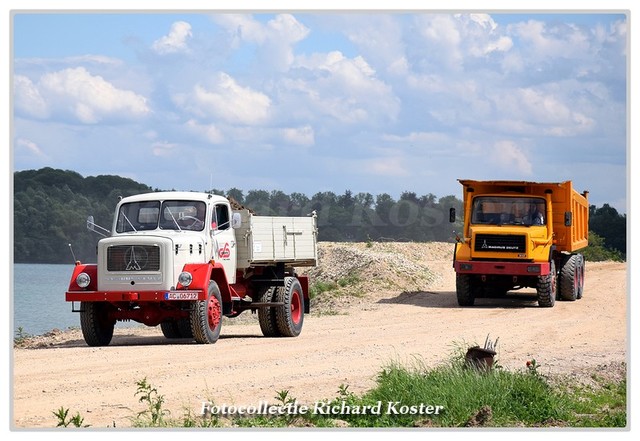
(520, 234)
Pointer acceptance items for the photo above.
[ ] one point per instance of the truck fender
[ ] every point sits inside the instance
(304, 284)
(91, 269)
(204, 272)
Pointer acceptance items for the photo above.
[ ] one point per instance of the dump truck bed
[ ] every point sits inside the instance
(265, 240)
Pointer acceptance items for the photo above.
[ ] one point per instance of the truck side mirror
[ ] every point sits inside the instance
(452, 214)
(568, 218)
(236, 221)
(90, 224)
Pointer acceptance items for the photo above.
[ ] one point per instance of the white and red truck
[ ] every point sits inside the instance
(185, 260)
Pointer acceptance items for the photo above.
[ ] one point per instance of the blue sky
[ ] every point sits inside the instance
(369, 101)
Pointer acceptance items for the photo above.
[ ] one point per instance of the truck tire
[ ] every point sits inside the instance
(97, 329)
(267, 316)
(464, 290)
(547, 288)
(570, 278)
(580, 276)
(170, 329)
(184, 327)
(290, 316)
(180, 328)
(206, 316)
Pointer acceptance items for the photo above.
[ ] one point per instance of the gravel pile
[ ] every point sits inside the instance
(375, 266)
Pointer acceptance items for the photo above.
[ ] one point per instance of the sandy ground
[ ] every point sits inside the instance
(348, 347)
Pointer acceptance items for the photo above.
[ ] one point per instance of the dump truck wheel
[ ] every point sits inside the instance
(290, 316)
(184, 327)
(267, 316)
(97, 329)
(180, 328)
(547, 288)
(580, 273)
(170, 329)
(570, 278)
(206, 316)
(464, 291)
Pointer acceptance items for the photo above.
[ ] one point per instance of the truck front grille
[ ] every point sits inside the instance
(133, 258)
(500, 243)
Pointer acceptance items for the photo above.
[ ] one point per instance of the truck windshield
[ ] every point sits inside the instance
(502, 210)
(166, 215)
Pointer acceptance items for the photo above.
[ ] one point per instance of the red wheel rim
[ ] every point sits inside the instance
(213, 312)
(296, 308)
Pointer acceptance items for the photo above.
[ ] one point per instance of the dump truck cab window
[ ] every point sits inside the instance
(502, 210)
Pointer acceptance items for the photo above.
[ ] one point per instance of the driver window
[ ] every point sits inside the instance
(220, 219)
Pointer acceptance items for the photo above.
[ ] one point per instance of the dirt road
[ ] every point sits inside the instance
(347, 345)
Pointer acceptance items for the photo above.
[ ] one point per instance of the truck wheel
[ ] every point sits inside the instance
(570, 278)
(464, 290)
(170, 329)
(580, 273)
(547, 287)
(267, 316)
(206, 316)
(290, 316)
(180, 328)
(184, 327)
(97, 329)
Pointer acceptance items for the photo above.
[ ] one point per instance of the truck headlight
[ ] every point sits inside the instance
(83, 280)
(185, 278)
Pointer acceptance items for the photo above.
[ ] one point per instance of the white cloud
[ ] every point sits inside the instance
(441, 34)
(511, 158)
(379, 38)
(384, 166)
(27, 98)
(303, 136)
(31, 147)
(484, 20)
(163, 148)
(210, 132)
(344, 89)
(87, 98)
(539, 112)
(175, 41)
(274, 39)
(226, 100)
(542, 42)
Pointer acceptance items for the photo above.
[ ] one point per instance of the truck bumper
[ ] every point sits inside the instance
(502, 268)
(134, 296)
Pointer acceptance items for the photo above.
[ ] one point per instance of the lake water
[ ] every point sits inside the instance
(38, 299)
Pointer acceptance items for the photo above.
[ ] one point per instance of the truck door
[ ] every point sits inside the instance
(224, 240)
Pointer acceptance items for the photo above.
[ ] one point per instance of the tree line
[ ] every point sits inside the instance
(51, 207)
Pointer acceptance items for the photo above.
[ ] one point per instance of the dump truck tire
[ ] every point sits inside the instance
(267, 316)
(570, 278)
(170, 329)
(97, 329)
(464, 291)
(206, 316)
(580, 275)
(180, 328)
(290, 316)
(547, 288)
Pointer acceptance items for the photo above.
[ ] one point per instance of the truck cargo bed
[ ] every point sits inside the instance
(265, 240)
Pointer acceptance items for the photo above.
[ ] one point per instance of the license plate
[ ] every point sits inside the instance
(186, 295)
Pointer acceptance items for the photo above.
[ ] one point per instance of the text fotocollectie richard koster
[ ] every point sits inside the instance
(263, 408)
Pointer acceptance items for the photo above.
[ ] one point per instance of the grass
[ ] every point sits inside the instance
(453, 395)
